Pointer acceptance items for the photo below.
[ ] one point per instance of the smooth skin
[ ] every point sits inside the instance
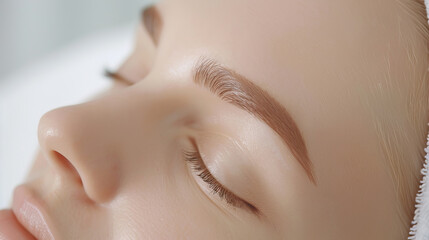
(113, 168)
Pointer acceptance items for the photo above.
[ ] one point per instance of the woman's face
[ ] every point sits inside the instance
(240, 120)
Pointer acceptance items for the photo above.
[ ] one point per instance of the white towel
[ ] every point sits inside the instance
(420, 228)
(420, 223)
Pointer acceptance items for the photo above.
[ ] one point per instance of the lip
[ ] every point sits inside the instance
(31, 213)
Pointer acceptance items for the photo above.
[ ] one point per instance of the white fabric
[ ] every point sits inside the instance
(420, 224)
(420, 228)
(66, 77)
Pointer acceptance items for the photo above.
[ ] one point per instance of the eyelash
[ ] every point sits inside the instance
(116, 77)
(193, 157)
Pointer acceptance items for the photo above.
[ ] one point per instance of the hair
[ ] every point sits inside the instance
(402, 121)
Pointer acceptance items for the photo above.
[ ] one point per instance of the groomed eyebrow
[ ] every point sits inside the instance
(241, 92)
(152, 22)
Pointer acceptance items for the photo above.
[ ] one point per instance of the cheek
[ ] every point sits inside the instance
(168, 204)
(162, 206)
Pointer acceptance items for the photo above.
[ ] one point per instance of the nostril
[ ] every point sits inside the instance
(64, 163)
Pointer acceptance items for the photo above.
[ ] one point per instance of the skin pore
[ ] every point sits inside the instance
(176, 153)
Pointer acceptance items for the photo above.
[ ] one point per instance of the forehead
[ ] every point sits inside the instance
(279, 40)
(287, 47)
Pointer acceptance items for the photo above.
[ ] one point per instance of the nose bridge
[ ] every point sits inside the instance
(97, 139)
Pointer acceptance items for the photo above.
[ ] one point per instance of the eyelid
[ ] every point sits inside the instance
(198, 166)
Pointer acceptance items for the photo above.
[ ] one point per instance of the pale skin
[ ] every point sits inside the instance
(121, 172)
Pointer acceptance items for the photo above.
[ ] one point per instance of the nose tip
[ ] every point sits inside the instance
(52, 131)
(52, 128)
(72, 144)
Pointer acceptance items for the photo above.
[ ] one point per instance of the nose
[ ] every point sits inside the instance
(80, 151)
(106, 143)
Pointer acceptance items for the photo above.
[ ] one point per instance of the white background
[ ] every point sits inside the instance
(29, 29)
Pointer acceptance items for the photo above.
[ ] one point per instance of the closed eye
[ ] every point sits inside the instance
(193, 157)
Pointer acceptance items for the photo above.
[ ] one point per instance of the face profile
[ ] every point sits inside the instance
(242, 120)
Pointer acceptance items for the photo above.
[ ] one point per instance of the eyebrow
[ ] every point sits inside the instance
(241, 92)
(152, 22)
